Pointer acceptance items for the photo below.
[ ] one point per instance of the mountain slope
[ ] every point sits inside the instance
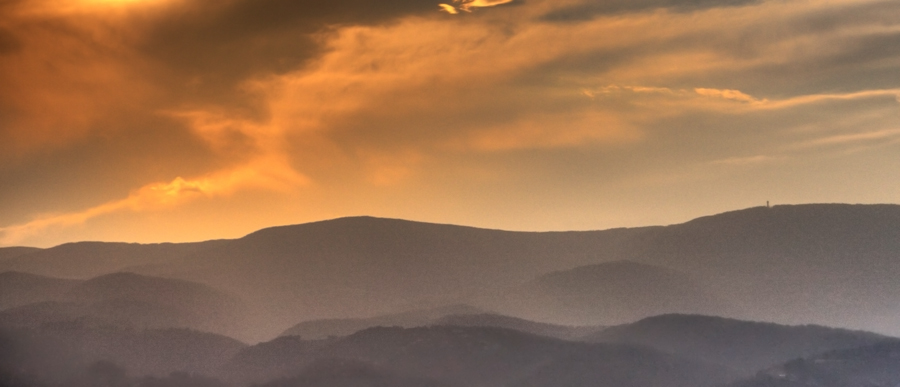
(368, 266)
(321, 329)
(478, 356)
(606, 294)
(564, 332)
(60, 351)
(877, 365)
(82, 260)
(833, 264)
(744, 346)
(17, 289)
(127, 300)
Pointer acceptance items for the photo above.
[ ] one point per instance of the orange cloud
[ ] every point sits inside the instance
(267, 173)
(468, 5)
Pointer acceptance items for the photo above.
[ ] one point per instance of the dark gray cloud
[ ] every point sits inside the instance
(593, 8)
(9, 43)
(112, 159)
(213, 44)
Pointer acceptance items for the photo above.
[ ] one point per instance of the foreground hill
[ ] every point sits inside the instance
(872, 366)
(744, 346)
(58, 353)
(476, 356)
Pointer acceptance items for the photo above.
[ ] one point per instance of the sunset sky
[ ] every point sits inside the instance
(184, 120)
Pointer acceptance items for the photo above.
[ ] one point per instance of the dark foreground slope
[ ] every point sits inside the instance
(871, 366)
(60, 353)
(744, 346)
(476, 356)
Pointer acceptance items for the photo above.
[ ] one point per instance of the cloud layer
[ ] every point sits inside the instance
(526, 115)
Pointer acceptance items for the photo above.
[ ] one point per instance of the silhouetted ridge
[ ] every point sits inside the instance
(83, 260)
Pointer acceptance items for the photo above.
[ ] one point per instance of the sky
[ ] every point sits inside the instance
(186, 120)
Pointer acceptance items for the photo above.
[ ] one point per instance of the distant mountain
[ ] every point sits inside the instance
(832, 264)
(83, 260)
(325, 328)
(17, 289)
(125, 300)
(607, 293)
(455, 315)
(740, 345)
(479, 356)
(877, 365)
(15, 251)
(365, 266)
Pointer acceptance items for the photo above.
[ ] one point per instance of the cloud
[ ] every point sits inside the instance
(736, 95)
(891, 135)
(586, 10)
(100, 100)
(747, 160)
(468, 5)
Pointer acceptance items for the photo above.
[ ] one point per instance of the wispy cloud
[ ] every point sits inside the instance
(468, 5)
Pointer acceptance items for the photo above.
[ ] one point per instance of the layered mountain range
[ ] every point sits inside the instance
(721, 300)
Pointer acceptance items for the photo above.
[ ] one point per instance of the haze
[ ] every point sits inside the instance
(182, 120)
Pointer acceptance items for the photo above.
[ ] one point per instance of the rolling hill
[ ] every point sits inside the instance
(744, 346)
(877, 365)
(477, 356)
